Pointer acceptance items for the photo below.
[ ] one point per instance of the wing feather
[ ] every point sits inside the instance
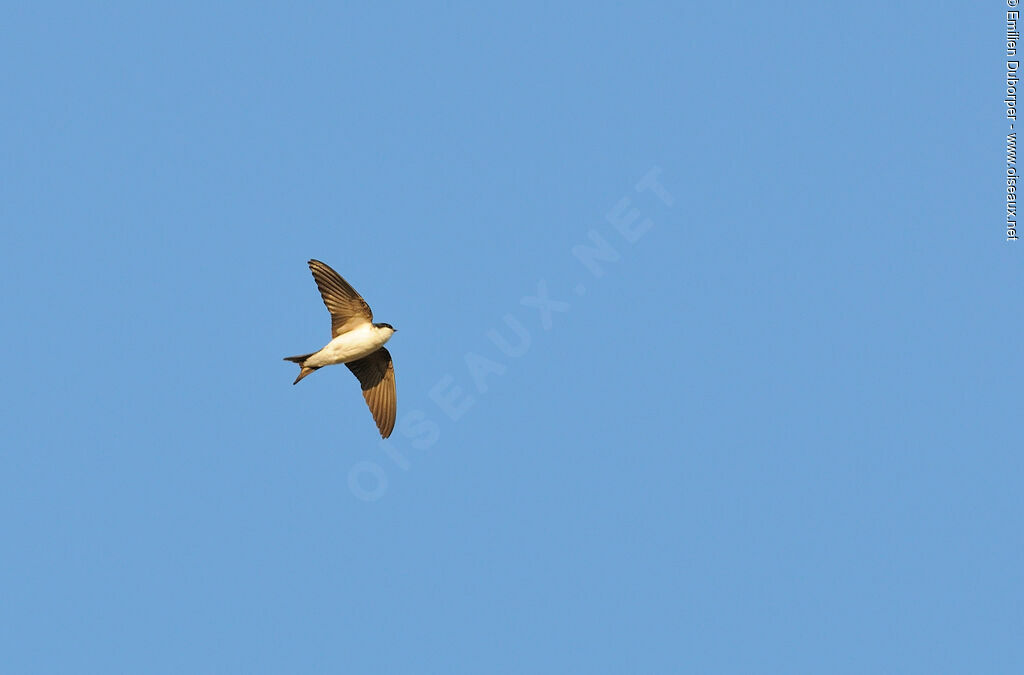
(348, 309)
(376, 374)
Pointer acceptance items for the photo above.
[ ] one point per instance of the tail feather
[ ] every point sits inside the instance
(303, 369)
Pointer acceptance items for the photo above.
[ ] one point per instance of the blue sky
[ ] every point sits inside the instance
(778, 432)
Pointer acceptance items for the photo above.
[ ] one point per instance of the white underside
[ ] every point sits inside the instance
(350, 346)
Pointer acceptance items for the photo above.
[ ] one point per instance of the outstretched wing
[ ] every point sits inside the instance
(376, 375)
(348, 309)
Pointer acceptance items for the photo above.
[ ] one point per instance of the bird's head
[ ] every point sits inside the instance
(387, 327)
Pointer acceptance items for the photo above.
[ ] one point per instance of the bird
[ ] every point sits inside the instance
(357, 342)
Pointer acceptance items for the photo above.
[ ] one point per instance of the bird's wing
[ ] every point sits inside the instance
(348, 309)
(376, 375)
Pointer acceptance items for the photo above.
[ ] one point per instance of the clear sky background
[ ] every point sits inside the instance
(779, 433)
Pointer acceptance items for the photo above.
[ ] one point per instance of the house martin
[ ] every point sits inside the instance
(357, 342)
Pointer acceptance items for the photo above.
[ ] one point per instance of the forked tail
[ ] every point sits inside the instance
(303, 369)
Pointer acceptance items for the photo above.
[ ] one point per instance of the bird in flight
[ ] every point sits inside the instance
(357, 342)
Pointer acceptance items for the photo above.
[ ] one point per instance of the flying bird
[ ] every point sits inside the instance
(357, 342)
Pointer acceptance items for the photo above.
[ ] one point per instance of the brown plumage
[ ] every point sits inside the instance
(376, 376)
(357, 342)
